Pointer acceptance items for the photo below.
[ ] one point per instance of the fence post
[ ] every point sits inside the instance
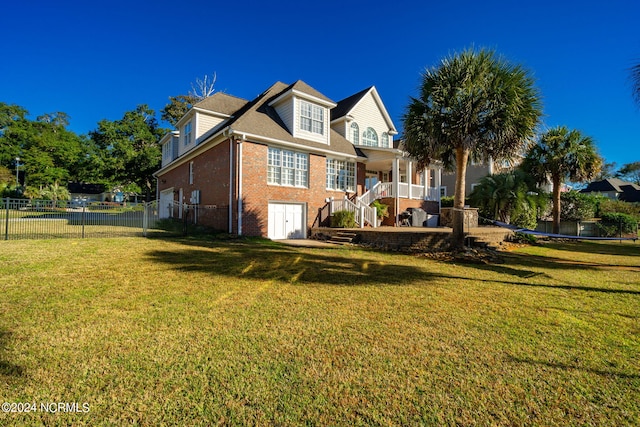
(83, 219)
(145, 219)
(6, 221)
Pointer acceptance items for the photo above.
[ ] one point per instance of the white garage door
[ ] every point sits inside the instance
(286, 221)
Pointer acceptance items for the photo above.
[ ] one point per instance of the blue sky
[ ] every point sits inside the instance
(96, 60)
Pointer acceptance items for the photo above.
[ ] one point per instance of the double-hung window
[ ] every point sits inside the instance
(187, 134)
(311, 118)
(287, 168)
(341, 175)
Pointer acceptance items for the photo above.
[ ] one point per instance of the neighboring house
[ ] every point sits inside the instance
(615, 188)
(475, 172)
(82, 193)
(274, 163)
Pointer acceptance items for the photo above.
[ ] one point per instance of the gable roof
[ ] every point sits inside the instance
(347, 104)
(257, 119)
(626, 191)
(611, 184)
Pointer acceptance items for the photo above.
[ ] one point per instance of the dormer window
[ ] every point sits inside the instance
(311, 118)
(355, 133)
(187, 134)
(370, 138)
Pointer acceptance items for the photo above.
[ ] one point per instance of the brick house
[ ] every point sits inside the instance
(270, 166)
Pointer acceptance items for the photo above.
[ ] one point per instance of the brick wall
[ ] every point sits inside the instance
(404, 240)
(257, 194)
(211, 177)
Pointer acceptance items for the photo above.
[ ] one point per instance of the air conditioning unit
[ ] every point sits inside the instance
(195, 197)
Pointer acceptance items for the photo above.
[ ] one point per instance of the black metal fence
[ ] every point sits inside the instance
(190, 218)
(44, 219)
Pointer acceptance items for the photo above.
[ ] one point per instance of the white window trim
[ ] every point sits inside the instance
(366, 138)
(316, 118)
(299, 173)
(333, 178)
(188, 133)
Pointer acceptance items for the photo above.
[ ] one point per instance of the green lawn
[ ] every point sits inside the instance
(192, 332)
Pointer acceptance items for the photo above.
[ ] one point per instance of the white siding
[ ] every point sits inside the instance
(341, 128)
(368, 114)
(206, 123)
(182, 147)
(299, 133)
(285, 111)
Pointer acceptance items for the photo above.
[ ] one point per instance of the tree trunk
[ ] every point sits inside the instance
(556, 204)
(457, 238)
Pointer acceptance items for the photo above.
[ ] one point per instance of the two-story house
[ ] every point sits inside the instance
(272, 163)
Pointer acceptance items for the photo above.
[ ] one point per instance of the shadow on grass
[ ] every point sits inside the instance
(570, 367)
(603, 247)
(267, 260)
(7, 369)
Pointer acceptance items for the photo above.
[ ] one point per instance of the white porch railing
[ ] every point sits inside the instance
(362, 212)
(385, 189)
(378, 191)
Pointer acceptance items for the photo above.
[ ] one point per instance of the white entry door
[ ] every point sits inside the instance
(165, 204)
(286, 221)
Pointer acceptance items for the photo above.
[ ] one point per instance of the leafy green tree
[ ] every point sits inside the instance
(12, 123)
(473, 105)
(48, 151)
(562, 155)
(129, 149)
(177, 107)
(630, 171)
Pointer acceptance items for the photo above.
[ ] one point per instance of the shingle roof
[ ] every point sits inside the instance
(305, 88)
(222, 103)
(347, 104)
(258, 118)
(627, 191)
(611, 184)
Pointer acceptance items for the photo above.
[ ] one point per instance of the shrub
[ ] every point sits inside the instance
(343, 219)
(382, 210)
(615, 224)
(523, 238)
(575, 206)
(618, 206)
(446, 202)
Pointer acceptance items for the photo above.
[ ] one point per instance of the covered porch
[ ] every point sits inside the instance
(392, 177)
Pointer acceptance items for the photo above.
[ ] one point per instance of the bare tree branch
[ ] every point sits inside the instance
(203, 88)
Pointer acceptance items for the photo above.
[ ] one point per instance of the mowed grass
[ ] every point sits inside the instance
(192, 332)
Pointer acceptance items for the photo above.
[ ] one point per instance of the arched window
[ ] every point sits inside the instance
(384, 142)
(355, 133)
(370, 138)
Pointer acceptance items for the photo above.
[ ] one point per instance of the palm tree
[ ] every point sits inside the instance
(635, 81)
(55, 192)
(473, 105)
(562, 154)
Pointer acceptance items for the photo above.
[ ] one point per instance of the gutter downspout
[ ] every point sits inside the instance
(240, 141)
(230, 208)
